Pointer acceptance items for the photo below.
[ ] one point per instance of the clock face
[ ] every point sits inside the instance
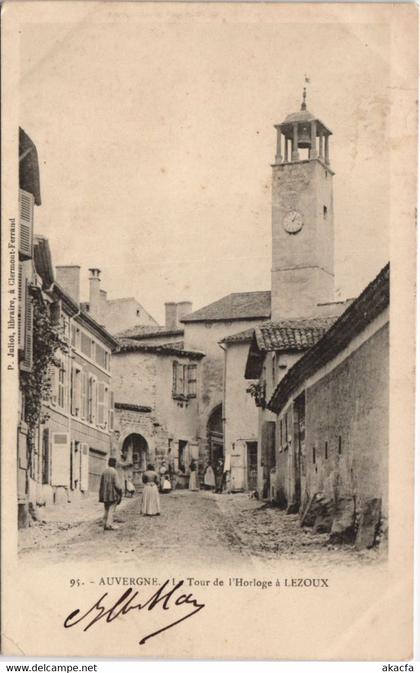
(293, 222)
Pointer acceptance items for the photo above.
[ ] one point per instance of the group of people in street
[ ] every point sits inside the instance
(111, 488)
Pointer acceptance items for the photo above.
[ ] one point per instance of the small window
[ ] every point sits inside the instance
(313, 455)
(326, 450)
(339, 446)
(325, 212)
(138, 312)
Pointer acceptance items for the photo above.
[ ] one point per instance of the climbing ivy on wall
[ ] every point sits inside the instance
(48, 340)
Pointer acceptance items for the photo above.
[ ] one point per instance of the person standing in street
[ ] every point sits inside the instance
(110, 493)
(193, 484)
(150, 505)
(219, 475)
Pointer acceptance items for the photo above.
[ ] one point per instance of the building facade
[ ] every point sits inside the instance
(28, 282)
(332, 411)
(206, 330)
(156, 407)
(74, 439)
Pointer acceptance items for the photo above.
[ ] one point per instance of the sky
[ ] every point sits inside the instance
(154, 129)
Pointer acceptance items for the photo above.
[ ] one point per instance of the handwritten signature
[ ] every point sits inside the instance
(165, 598)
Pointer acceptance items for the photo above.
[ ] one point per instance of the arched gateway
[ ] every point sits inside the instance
(134, 455)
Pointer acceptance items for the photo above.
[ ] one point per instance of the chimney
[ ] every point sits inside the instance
(94, 293)
(68, 277)
(170, 315)
(174, 312)
(184, 307)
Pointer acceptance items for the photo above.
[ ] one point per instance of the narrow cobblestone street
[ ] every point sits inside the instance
(203, 528)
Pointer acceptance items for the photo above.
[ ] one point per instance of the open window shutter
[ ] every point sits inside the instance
(83, 400)
(72, 391)
(94, 400)
(53, 377)
(174, 377)
(45, 456)
(60, 459)
(180, 384)
(28, 346)
(101, 403)
(78, 392)
(21, 307)
(192, 380)
(84, 467)
(26, 217)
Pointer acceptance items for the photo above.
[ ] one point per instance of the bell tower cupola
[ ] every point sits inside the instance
(302, 217)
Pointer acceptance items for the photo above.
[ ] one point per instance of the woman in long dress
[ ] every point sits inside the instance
(150, 505)
(209, 478)
(193, 485)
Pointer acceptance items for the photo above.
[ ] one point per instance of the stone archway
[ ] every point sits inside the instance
(134, 457)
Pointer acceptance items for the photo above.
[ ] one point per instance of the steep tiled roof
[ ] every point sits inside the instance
(235, 306)
(177, 348)
(149, 331)
(293, 335)
(371, 303)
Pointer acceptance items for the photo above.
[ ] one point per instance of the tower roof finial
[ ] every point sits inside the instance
(303, 104)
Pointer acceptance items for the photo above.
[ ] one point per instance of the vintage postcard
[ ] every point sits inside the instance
(208, 345)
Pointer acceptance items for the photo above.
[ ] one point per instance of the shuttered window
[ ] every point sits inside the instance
(92, 400)
(61, 388)
(192, 380)
(76, 392)
(53, 377)
(174, 378)
(26, 210)
(84, 395)
(100, 356)
(101, 404)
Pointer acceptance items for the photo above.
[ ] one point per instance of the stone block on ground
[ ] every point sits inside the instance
(343, 528)
(311, 511)
(325, 515)
(370, 518)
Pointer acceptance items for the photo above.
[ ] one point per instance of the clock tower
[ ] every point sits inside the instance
(302, 217)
